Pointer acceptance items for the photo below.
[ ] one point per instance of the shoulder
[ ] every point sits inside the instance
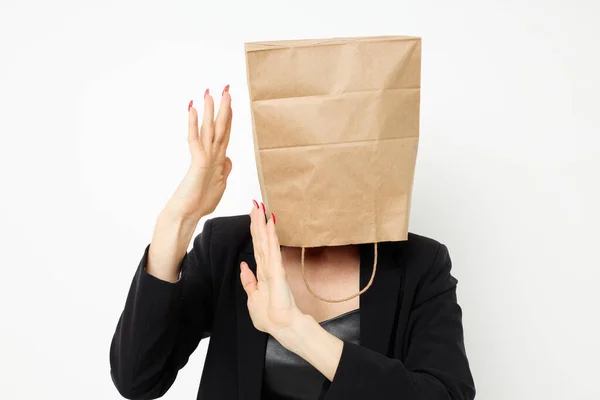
(234, 228)
(226, 236)
(418, 249)
(423, 243)
(217, 247)
(425, 262)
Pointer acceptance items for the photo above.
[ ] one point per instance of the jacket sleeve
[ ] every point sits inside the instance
(162, 323)
(436, 365)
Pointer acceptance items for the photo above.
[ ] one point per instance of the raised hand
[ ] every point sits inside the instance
(270, 301)
(198, 193)
(202, 188)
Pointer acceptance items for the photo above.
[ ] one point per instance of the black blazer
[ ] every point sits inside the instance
(411, 329)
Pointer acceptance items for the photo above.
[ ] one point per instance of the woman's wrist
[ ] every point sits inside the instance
(173, 213)
(291, 337)
(172, 234)
(307, 338)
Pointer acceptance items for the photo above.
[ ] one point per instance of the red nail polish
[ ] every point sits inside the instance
(263, 207)
(255, 203)
(190, 105)
(225, 90)
(274, 219)
(206, 93)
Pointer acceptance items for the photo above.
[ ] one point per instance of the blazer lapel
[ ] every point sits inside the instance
(251, 342)
(378, 304)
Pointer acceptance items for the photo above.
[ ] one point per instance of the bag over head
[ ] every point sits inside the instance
(336, 130)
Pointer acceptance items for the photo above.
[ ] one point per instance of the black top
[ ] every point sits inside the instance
(288, 376)
(411, 335)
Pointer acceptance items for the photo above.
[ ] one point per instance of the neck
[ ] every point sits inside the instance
(323, 254)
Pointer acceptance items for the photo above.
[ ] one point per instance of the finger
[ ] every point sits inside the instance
(273, 239)
(256, 215)
(225, 140)
(193, 138)
(260, 230)
(207, 131)
(248, 279)
(275, 260)
(222, 116)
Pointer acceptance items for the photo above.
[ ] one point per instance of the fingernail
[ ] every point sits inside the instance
(206, 93)
(225, 90)
(274, 219)
(255, 203)
(190, 105)
(263, 207)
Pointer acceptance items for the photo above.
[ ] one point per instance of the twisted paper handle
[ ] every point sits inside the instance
(347, 298)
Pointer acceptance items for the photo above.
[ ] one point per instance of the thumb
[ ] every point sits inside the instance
(227, 166)
(248, 279)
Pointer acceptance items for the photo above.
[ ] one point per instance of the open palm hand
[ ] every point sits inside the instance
(270, 301)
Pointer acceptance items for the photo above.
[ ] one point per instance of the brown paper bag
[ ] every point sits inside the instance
(336, 126)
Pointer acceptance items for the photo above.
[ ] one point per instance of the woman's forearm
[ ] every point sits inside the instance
(172, 234)
(310, 341)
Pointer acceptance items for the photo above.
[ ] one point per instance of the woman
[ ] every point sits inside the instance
(270, 337)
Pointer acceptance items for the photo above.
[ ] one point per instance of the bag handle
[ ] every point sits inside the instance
(344, 299)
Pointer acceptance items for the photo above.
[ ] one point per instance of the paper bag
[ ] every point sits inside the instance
(336, 127)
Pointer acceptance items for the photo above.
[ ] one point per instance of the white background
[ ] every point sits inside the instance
(93, 99)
